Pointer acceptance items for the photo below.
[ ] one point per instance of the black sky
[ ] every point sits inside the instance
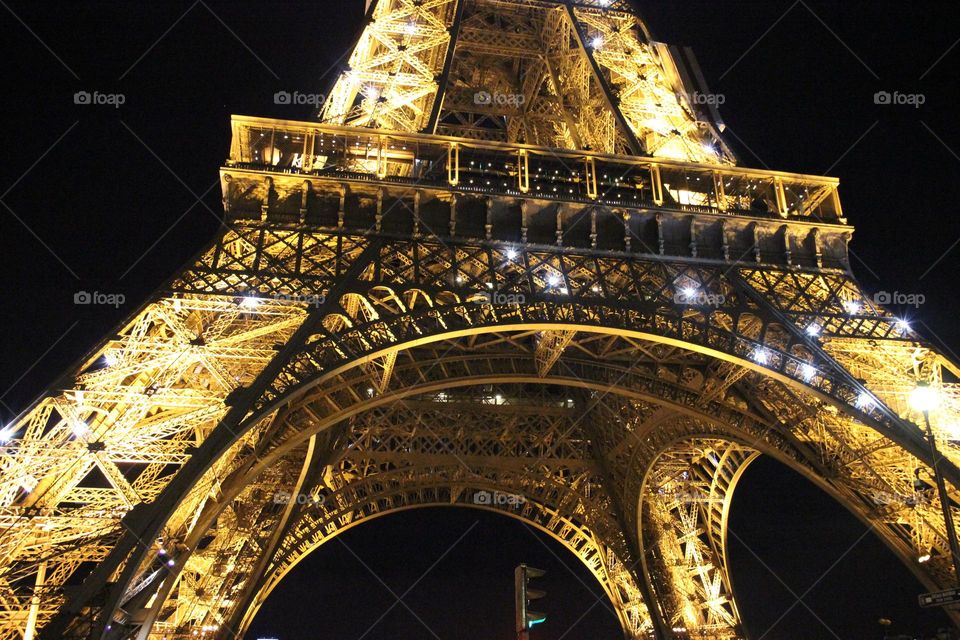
(115, 200)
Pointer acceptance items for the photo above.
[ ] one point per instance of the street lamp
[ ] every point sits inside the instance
(924, 398)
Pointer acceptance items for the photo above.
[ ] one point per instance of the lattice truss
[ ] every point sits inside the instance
(543, 73)
(394, 319)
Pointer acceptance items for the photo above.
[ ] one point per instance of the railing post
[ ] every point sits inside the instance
(591, 175)
(838, 208)
(381, 158)
(656, 184)
(453, 164)
(781, 195)
(523, 171)
(719, 191)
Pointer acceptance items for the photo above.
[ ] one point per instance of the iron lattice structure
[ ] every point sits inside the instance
(570, 296)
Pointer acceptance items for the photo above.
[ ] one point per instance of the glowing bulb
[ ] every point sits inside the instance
(553, 280)
(865, 402)
(596, 42)
(6, 435)
(250, 302)
(411, 28)
(903, 325)
(80, 428)
(924, 558)
(813, 330)
(511, 254)
(807, 372)
(852, 307)
(688, 292)
(761, 356)
(110, 359)
(924, 398)
(171, 562)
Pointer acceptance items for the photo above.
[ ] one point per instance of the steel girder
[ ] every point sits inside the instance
(256, 272)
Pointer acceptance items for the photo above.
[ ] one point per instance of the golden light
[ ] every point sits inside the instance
(924, 398)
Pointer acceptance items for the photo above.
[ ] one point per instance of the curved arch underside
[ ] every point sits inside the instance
(198, 431)
(589, 445)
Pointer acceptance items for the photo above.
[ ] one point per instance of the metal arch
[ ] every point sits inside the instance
(592, 553)
(526, 326)
(687, 491)
(532, 376)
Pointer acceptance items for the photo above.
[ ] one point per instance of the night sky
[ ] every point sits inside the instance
(115, 200)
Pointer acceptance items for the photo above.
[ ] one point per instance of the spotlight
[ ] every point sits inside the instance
(924, 398)
(80, 428)
(865, 402)
(250, 302)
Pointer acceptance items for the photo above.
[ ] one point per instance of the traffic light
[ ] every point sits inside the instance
(527, 619)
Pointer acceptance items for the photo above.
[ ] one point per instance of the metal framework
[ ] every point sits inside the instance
(568, 306)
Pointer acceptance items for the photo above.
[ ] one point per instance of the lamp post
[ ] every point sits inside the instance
(923, 399)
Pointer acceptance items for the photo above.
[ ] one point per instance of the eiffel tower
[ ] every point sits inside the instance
(512, 266)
